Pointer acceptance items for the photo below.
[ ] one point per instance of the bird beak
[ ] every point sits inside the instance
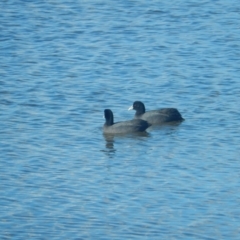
(131, 108)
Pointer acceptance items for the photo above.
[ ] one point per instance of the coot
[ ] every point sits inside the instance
(132, 126)
(154, 117)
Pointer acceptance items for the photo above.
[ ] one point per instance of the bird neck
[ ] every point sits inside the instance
(109, 122)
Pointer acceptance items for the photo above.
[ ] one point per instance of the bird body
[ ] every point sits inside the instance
(131, 126)
(154, 117)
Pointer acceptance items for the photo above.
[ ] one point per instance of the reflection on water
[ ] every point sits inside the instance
(110, 140)
(164, 129)
(110, 150)
(70, 61)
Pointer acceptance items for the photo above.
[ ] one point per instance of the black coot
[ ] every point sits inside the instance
(132, 126)
(154, 117)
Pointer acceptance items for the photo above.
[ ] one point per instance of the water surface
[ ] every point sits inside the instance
(62, 63)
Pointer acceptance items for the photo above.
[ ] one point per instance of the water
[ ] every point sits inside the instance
(62, 63)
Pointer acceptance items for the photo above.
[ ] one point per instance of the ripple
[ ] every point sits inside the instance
(63, 64)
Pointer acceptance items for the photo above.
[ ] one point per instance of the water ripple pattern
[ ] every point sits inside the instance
(62, 63)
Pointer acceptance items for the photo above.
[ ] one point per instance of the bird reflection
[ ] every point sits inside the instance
(110, 150)
(110, 140)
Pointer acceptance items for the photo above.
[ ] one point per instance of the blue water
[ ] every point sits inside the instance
(62, 63)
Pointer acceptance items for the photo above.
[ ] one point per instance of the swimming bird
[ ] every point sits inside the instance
(131, 126)
(154, 117)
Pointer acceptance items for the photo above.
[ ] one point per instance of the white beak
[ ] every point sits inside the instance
(131, 108)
